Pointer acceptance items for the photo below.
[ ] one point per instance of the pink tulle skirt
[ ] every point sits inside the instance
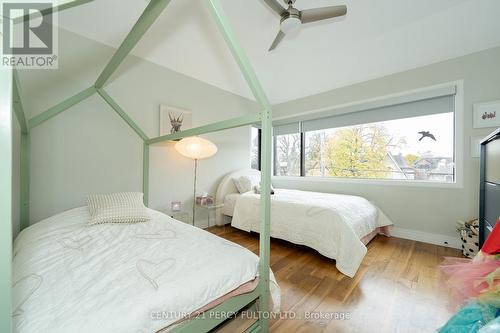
(473, 278)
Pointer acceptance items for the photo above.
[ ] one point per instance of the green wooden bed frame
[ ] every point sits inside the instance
(10, 103)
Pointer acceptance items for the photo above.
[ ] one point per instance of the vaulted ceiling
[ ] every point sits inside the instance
(376, 38)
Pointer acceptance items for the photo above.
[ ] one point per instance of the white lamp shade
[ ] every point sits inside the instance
(196, 148)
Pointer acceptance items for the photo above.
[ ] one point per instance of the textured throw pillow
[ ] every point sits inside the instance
(257, 188)
(246, 183)
(123, 207)
(239, 187)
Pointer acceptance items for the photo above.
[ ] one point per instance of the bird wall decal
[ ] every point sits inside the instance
(426, 134)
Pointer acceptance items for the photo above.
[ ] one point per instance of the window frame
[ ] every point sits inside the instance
(259, 145)
(458, 139)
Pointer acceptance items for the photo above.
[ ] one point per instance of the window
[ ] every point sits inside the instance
(410, 141)
(395, 149)
(255, 148)
(287, 155)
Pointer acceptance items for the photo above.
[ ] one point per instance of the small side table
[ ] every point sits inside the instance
(181, 215)
(209, 209)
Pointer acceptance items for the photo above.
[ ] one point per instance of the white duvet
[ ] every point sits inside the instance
(69, 277)
(332, 224)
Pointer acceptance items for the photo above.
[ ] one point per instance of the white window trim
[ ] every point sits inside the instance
(410, 95)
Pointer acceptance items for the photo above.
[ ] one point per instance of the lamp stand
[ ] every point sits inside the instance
(194, 188)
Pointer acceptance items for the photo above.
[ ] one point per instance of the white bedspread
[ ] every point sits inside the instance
(229, 202)
(332, 224)
(69, 277)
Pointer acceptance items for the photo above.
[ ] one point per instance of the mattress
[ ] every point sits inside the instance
(229, 203)
(335, 225)
(70, 277)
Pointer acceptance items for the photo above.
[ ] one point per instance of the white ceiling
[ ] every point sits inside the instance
(376, 38)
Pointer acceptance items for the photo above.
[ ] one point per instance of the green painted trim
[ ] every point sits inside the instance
(152, 11)
(18, 105)
(57, 7)
(214, 127)
(122, 114)
(58, 108)
(255, 328)
(211, 318)
(265, 213)
(145, 173)
(147, 18)
(241, 59)
(25, 181)
(238, 54)
(6, 199)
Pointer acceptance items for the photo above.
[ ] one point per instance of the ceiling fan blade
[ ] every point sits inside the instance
(318, 14)
(277, 40)
(276, 7)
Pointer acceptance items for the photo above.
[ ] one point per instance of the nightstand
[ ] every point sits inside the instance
(181, 215)
(210, 210)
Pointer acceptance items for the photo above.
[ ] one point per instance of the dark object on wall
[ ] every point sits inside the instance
(426, 134)
(489, 188)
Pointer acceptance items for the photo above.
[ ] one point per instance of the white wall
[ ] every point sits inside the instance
(90, 149)
(425, 209)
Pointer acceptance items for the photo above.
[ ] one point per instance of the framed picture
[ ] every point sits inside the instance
(173, 119)
(475, 145)
(486, 114)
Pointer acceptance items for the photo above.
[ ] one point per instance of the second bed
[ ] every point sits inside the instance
(337, 226)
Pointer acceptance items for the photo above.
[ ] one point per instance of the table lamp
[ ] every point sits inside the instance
(195, 148)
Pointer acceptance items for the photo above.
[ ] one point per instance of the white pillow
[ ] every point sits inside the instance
(246, 183)
(122, 207)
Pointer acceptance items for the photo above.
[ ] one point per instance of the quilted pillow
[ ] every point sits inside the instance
(246, 183)
(122, 207)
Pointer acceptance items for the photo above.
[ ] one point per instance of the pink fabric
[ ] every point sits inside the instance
(380, 230)
(243, 289)
(470, 278)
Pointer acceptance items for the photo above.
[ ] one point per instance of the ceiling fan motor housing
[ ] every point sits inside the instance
(290, 21)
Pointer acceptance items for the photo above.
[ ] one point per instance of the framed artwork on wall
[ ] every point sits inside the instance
(486, 114)
(174, 119)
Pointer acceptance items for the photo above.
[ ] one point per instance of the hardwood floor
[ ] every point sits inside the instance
(396, 289)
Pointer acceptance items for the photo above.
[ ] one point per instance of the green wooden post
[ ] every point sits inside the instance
(266, 119)
(238, 54)
(145, 173)
(6, 199)
(57, 6)
(265, 213)
(60, 107)
(147, 18)
(18, 105)
(212, 317)
(214, 127)
(111, 102)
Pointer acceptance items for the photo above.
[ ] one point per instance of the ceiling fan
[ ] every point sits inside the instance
(292, 18)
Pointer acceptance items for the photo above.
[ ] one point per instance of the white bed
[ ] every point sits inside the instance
(70, 277)
(337, 226)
